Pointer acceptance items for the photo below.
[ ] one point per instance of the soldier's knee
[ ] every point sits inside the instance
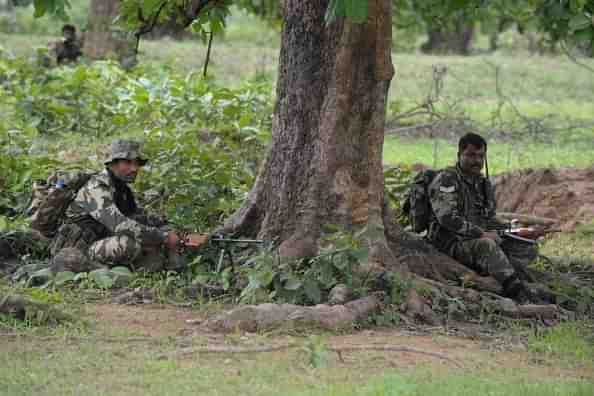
(129, 247)
(120, 249)
(487, 245)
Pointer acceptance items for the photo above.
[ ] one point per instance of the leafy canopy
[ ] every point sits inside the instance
(561, 19)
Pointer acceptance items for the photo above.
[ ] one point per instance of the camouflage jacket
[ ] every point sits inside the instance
(100, 206)
(66, 51)
(463, 207)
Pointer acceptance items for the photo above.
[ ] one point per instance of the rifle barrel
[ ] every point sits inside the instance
(226, 240)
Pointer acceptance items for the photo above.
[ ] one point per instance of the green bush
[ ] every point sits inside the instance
(204, 141)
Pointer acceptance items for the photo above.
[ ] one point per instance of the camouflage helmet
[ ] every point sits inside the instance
(125, 149)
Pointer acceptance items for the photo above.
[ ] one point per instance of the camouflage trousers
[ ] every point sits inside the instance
(121, 249)
(126, 251)
(499, 260)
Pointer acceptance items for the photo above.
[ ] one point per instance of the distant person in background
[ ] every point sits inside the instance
(69, 49)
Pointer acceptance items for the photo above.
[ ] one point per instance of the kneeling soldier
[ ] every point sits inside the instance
(105, 223)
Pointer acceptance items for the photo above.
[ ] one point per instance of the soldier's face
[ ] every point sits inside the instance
(472, 159)
(69, 35)
(126, 170)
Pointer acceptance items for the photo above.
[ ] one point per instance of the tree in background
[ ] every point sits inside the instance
(103, 39)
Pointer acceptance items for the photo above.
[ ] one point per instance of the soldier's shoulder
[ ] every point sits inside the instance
(446, 177)
(99, 180)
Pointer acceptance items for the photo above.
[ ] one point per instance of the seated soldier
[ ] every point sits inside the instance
(67, 50)
(463, 220)
(105, 223)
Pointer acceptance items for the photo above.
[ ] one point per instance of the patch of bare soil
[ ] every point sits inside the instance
(566, 195)
(152, 320)
(373, 349)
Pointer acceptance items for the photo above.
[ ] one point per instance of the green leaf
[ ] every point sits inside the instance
(63, 277)
(292, 284)
(40, 277)
(102, 278)
(584, 35)
(121, 270)
(361, 254)
(41, 7)
(312, 291)
(80, 276)
(580, 22)
(357, 10)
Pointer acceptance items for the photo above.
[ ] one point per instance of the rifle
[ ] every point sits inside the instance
(522, 234)
(516, 236)
(191, 240)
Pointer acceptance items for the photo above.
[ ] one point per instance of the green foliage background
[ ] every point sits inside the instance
(204, 141)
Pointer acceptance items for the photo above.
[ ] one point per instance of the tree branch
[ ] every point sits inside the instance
(191, 14)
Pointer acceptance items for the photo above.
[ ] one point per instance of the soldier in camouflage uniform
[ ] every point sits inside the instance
(69, 49)
(464, 207)
(105, 223)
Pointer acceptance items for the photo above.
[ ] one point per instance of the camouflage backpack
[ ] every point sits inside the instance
(51, 198)
(417, 205)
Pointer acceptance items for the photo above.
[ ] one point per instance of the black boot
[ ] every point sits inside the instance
(515, 289)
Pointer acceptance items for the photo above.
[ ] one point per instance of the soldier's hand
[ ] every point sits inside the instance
(527, 232)
(195, 240)
(493, 235)
(172, 241)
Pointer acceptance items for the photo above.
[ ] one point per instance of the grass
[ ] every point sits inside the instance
(60, 367)
(503, 156)
(575, 245)
(572, 342)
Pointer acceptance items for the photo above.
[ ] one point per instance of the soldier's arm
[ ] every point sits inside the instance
(444, 193)
(144, 217)
(96, 199)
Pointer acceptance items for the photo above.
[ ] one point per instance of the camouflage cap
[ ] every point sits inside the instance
(125, 149)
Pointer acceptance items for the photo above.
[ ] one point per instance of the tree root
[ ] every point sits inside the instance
(338, 349)
(254, 318)
(471, 302)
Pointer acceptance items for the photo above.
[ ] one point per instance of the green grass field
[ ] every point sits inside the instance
(111, 359)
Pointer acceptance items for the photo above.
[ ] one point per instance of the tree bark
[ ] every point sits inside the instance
(324, 164)
(102, 41)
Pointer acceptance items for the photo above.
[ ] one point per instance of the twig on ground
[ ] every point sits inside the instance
(337, 349)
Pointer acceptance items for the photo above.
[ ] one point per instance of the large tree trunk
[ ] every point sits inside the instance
(102, 41)
(324, 164)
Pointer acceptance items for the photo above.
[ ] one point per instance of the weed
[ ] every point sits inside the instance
(570, 342)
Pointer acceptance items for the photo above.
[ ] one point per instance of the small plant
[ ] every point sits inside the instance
(306, 281)
(317, 352)
(572, 342)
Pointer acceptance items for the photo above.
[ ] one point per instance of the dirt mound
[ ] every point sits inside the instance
(566, 195)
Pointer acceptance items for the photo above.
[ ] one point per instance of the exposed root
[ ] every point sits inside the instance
(254, 318)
